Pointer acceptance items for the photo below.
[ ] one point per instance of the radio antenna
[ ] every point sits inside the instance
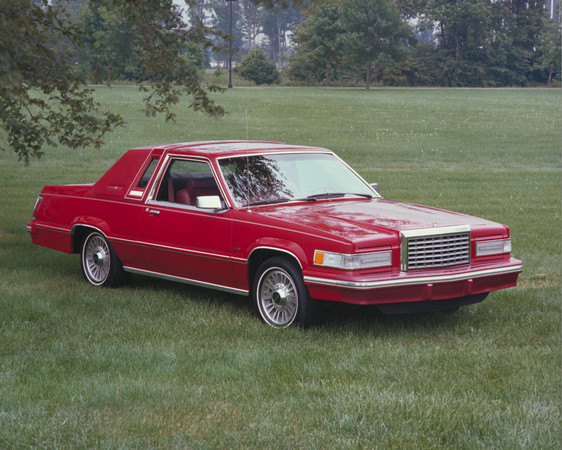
(247, 123)
(247, 165)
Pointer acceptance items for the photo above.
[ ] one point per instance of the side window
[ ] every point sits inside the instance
(147, 174)
(138, 190)
(185, 180)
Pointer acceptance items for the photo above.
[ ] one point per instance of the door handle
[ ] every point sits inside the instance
(153, 212)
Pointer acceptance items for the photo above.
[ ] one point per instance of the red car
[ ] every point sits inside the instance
(288, 224)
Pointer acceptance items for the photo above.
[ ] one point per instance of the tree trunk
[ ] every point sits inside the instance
(368, 78)
(457, 47)
(327, 76)
(278, 42)
(550, 75)
(108, 82)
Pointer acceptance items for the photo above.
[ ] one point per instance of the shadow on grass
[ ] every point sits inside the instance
(334, 316)
(189, 292)
(369, 318)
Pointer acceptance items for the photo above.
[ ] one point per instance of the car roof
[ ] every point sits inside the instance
(120, 176)
(230, 148)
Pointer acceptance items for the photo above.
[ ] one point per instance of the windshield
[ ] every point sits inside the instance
(263, 179)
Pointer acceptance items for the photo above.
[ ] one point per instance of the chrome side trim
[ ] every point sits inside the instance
(36, 207)
(80, 224)
(281, 250)
(164, 164)
(416, 280)
(52, 228)
(163, 276)
(169, 248)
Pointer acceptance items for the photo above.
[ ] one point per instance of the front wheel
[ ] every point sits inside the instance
(100, 264)
(280, 295)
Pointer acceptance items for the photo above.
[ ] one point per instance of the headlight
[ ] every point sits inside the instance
(353, 262)
(495, 247)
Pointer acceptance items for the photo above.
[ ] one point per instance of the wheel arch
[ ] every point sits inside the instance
(261, 253)
(82, 227)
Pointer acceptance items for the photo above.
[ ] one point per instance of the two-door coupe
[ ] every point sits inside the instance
(287, 224)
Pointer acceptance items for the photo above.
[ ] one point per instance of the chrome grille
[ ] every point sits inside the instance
(435, 249)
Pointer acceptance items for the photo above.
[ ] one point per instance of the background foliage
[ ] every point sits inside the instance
(51, 50)
(459, 43)
(256, 67)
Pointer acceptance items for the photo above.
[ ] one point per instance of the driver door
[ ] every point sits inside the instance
(180, 239)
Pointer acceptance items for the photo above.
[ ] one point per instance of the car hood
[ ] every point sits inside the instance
(361, 219)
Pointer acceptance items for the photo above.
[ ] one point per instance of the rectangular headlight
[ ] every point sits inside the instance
(353, 262)
(495, 247)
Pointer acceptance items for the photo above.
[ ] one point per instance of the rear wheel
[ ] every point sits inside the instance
(100, 264)
(280, 295)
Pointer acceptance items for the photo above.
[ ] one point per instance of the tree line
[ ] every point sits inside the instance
(432, 42)
(391, 42)
(52, 49)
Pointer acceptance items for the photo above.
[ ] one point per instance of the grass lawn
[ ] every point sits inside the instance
(158, 364)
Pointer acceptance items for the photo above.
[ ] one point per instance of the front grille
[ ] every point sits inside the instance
(435, 249)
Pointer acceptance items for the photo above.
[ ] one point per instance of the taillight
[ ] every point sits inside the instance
(36, 207)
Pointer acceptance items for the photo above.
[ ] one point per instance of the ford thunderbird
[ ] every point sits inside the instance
(289, 225)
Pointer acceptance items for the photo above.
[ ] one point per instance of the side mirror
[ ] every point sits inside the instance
(376, 187)
(208, 202)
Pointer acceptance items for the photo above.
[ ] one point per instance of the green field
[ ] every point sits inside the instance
(158, 364)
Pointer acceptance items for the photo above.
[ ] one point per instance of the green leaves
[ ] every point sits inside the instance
(256, 67)
(354, 33)
(43, 100)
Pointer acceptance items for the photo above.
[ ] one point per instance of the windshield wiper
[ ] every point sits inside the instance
(338, 194)
(269, 201)
(272, 201)
(310, 198)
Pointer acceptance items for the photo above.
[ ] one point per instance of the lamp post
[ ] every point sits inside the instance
(230, 46)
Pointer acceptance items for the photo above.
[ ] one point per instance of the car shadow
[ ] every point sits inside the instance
(189, 291)
(332, 315)
(368, 318)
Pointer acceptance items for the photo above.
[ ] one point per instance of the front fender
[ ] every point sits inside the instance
(281, 245)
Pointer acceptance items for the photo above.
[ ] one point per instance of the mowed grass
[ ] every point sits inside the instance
(158, 364)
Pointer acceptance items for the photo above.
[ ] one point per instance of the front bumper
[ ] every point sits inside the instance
(416, 285)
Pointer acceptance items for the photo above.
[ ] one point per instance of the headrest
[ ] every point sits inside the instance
(201, 181)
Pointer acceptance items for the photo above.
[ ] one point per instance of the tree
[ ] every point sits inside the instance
(321, 38)
(219, 13)
(372, 28)
(108, 46)
(277, 24)
(256, 67)
(482, 43)
(550, 49)
(42, 97)
(251, 16)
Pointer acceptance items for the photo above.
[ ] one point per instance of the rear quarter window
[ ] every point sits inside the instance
(145, 178)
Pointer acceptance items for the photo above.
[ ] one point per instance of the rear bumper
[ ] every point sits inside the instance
(417, 286)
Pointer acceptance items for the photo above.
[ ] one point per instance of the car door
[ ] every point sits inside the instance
(181, 239)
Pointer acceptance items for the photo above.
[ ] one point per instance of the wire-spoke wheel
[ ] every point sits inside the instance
(280, 295)
(100, 265)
